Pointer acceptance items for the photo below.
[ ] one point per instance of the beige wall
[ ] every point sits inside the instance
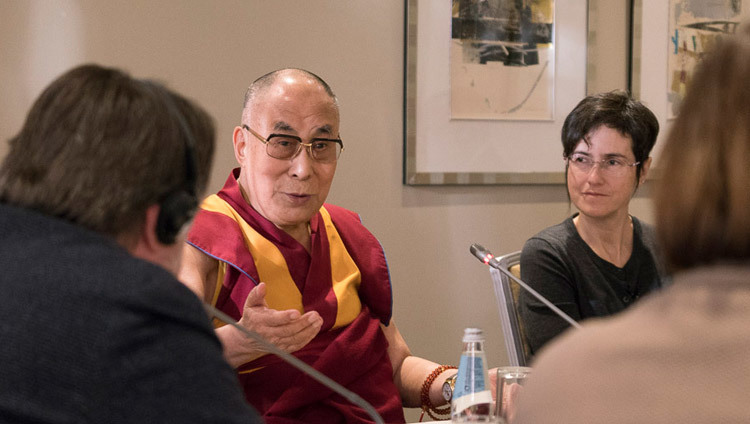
(212, 50)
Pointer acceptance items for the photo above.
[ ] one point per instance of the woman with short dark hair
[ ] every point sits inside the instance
(600, 260)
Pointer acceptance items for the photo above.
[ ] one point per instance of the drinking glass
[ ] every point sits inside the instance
(510, 382)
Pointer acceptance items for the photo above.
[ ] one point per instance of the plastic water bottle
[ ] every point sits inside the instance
(472, 400)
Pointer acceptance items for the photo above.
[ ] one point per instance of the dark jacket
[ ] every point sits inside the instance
(91, 334)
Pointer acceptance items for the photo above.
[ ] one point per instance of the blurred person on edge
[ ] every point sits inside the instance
(95, 196)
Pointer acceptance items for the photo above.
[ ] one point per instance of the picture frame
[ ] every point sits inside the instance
(439, 150)
(650, 80)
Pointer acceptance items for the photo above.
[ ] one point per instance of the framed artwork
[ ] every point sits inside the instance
(488, 84)
(670, 37)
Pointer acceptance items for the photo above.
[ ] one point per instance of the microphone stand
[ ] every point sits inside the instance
(294, 361)
(488, 258)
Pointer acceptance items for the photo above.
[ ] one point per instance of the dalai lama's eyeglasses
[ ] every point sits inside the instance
(284, 146)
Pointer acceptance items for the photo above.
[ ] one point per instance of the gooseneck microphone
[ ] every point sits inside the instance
(488, 258)
(295, 362)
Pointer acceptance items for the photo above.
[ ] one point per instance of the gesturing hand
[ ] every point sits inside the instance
(288, 330)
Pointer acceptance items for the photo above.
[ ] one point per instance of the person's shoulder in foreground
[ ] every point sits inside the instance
(101, 335)
(96, 328)
(678, 356)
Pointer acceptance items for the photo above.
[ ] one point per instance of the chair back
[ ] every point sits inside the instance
(507, 292)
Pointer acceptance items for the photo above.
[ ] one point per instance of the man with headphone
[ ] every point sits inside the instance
(95, 195)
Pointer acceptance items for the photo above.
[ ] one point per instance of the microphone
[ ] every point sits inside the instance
(488, 258)
(295, 362)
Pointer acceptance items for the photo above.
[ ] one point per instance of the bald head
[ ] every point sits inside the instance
(295, 105)
(261, 85)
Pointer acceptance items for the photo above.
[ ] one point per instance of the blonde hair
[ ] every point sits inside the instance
(703, 198)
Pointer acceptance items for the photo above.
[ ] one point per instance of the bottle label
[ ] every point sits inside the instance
(470, 385)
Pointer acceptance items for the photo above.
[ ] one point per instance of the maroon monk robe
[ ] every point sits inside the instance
(354, 355)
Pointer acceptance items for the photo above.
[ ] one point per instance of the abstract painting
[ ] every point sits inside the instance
(694, 26)
(502, 60)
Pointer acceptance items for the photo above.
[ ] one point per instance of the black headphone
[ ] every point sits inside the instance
(178, 206)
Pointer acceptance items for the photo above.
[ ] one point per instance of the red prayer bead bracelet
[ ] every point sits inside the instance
(427, 405)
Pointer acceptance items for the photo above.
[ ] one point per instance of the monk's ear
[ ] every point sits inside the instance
(239, 140)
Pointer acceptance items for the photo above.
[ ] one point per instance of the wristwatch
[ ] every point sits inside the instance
(448, 386)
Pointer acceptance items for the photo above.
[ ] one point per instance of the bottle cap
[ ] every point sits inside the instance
(473, 335)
